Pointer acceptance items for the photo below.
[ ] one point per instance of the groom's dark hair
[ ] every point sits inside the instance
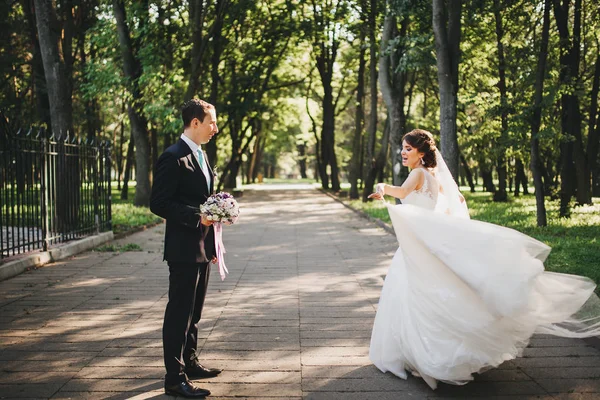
(194, 108)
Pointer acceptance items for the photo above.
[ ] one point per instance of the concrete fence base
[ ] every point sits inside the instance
(22, 264)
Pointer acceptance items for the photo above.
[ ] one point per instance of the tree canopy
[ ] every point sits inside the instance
(322, 89)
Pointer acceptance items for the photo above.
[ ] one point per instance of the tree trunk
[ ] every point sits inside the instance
(501, 194)
(259, 157)
(378, 165)
(594, 131)
(217, 50)
(91, 105)
(568, 176)
(468, 173)
(154, 144)
(54, 69)
(393, 84)
(254, 157)
(570, 56)
(37, 67)
(536, 161)
(355, 164)
(252, 162)
(61, 112)
(320, 170)
(197, 12)
(128, 166)
(583, 194)
(446, 29)
(302, 159)
(119, 154)
(232, 173)
(325, 47)
(139, 129)
(384, 153)
(372, 131)
(486, 176)
(520, 177)
(327, 136)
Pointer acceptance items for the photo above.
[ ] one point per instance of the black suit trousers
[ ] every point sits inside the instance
(187, 290)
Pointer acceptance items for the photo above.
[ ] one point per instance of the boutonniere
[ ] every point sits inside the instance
(215, 172)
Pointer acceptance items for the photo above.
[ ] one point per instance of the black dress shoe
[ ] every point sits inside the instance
(186, 389)
(198, 371)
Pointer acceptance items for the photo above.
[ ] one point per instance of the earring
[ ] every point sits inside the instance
(422, 162)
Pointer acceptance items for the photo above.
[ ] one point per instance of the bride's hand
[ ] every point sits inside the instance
(379, 192)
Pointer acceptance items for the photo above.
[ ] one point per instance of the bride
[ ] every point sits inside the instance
(462, 296)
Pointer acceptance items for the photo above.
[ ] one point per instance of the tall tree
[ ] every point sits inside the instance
(368, 177)
(447, 29)
(355, 162)
(536, 118)
(139, 125)
(260, 38)
(39, 81)
(217, 45)
(197, 15)
(500, 194)
(393, 78)
(327, 20)
(55, 68)
(574, 173)
(198, 10)
(593, 144)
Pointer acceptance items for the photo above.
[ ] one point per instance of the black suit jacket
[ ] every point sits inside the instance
(178, 190)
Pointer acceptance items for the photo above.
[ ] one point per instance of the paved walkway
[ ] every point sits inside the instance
(292, 321)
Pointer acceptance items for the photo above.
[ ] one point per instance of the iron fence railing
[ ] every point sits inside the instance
(52, 190)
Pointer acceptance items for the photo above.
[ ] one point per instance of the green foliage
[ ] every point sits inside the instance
(575, 241)
(126, 216)
(260, 58)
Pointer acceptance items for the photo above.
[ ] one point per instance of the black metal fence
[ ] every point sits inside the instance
(52, 190)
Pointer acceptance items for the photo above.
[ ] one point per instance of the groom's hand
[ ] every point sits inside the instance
(214, 260)
(204, 221)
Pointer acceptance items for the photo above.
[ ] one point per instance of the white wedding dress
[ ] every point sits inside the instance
(462, 296)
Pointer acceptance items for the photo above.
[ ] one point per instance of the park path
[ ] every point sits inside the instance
(291, 321)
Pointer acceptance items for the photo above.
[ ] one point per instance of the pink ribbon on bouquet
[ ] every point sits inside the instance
(220, 248)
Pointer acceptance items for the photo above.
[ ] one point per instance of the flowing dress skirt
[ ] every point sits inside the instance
(462, 296)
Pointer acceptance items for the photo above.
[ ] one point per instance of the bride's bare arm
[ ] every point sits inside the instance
(414, 181)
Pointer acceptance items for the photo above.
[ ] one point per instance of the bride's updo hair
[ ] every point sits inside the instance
(424, 143)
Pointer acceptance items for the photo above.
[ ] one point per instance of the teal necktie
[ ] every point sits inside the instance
(201, 162)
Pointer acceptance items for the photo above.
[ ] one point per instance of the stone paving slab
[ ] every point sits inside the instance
(291, 321)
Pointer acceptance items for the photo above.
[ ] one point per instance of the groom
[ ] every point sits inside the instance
(182, 181)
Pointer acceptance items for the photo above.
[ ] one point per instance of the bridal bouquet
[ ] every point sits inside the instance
(221, 208)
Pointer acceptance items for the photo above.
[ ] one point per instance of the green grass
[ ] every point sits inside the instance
(113, 248)
(126, 216)
(575, 241)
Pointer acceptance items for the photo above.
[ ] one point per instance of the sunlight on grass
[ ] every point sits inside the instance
(126, 216)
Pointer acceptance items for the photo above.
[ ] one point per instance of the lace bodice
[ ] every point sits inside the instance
(426, 195)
